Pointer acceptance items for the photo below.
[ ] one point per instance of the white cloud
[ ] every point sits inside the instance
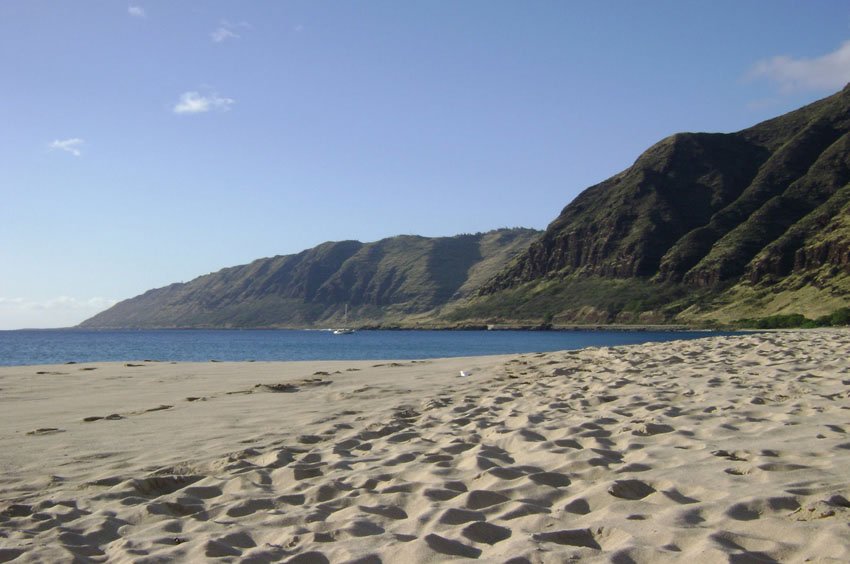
(827, 72)
(227, 30)
(72, 145)
(194, 103)
(136, 11)
(222, 34)
(62, 311)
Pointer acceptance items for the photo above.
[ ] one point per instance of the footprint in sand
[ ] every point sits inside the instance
(309, 439)
(305, 472)
(451, 547)
(531, 436)
(634, 467)
(568, 443)
(456, 516)
(403, 458)
(249, 507)
(650, 429)
(364, 528)
(312, 557)
(678, 497)
(155, 486)
(551, 479)
(578, 506)
(742, 512)
(158, 408)
(630, 489)
(459, 447)
(229, 545)
(112, 417)
(46, 431)
(486, 533)
(570, 537)
(292, 499)
(437, 494)
(691, 517)
(782, 467)
(387, 511)
(506, 473)
(278, 388)
(480, 499)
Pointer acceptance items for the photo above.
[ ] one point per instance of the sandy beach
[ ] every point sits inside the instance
(725, 449)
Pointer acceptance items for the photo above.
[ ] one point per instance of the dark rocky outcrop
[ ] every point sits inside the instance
(697, 207)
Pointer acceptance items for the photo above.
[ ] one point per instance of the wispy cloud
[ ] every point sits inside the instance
(227, 30)
(61, 302)
(223, 34)
(136, 11)
(62, 311)
(196, 103)
(827, 72)
(72, 145)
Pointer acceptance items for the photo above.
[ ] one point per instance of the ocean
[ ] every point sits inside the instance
(27, 347)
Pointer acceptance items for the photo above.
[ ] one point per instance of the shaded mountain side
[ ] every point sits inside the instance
(622, 227)
(702, 255)
(695, 219)
(695, 206)
(382, 281)
(806, 270)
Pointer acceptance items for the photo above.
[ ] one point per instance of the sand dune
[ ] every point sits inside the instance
(728, 449)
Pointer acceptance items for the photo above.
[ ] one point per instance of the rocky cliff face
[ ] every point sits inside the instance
(623, 227)
(709, 210)
(385, 280)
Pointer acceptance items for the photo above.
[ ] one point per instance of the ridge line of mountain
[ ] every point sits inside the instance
(380, 282)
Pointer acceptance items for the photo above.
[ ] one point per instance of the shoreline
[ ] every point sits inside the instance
(25, 348)
(470, 327)
(715, 449)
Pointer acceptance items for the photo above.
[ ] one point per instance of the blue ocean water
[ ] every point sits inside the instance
(73, 345)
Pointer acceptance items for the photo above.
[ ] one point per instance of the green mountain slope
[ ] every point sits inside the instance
(392, 280)
(702, 226)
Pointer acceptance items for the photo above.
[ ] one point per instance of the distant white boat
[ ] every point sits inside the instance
(344, 330)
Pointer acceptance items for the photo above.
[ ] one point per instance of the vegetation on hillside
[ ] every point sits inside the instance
(702, 225)
(838, 318)
(389, 281)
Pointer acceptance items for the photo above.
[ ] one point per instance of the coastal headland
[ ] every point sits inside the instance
(712, 450)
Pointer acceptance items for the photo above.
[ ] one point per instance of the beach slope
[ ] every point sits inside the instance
(711, 450)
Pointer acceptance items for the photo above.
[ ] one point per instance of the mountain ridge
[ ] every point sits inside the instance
(384, 280)
(713, 215)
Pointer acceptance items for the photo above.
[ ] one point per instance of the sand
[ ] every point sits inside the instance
(731, 449)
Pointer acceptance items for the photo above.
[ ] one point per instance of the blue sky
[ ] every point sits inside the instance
(151, 142)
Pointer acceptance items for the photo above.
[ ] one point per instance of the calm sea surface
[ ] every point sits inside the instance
(60, 346)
